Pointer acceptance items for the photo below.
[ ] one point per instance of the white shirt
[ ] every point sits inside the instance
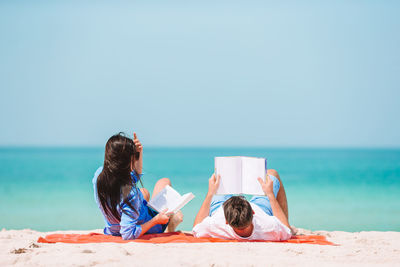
(266, 227)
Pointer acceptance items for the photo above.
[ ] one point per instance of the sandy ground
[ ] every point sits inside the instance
(19, 248)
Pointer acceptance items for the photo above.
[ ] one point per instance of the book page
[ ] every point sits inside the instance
(168, 198)
(230, 170)
(182, 202)
(252, 168)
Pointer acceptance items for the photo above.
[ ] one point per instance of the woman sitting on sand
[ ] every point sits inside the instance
(123, 205)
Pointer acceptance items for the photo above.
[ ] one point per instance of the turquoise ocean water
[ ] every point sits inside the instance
(50, 189)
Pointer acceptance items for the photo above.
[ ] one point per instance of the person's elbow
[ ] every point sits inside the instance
(130, 233)
(285, 234)
(127, 236)
(198, 233)
(196, 222)
(286, 237)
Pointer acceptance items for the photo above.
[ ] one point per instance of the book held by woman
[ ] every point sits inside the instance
(169, 199)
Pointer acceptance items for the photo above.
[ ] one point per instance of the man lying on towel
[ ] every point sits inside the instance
(233, 217)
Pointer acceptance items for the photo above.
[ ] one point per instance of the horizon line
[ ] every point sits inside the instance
(203, 147)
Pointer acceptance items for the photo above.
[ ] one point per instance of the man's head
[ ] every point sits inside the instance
(239, 215)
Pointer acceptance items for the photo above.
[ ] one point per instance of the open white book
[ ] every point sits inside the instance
(169, 199)
(239, 175)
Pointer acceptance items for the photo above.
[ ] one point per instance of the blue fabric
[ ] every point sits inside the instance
(130, 225)
(217, 202)
(261, 201)
(135, 177)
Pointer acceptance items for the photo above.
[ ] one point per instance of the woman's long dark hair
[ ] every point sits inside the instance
(119, 152)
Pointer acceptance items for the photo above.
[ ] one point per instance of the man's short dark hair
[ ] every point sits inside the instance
(238, 212)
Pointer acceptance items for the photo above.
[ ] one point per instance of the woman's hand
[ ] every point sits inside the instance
(213, 184)
(162, 217)
(138, 145)
(267, 186)
(138, 164)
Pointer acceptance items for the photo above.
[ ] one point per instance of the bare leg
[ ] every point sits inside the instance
(175, 219)
(281, 197)
(145, 193)
(160, 186)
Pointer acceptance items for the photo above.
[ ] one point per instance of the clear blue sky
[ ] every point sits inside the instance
(251, 73)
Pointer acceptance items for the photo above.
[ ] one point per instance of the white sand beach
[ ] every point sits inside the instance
(19, 248)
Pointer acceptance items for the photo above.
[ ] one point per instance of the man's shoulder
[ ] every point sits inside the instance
(257, 210)
(268, 227)
(262, 218)
(217, 217)
(211, 225)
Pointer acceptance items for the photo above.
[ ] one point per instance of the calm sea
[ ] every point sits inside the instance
(331, 189)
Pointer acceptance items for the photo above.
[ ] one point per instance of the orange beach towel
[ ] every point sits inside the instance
(175, 237)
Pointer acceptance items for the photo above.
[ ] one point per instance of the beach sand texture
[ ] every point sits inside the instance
(19, 248)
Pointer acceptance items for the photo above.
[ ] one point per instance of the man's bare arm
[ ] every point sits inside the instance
(204, 210)
(213, 184)
(277, 211)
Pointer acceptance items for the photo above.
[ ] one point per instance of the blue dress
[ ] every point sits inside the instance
(130, 225)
